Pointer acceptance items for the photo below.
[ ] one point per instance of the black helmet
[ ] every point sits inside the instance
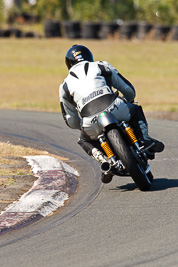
(76, 54)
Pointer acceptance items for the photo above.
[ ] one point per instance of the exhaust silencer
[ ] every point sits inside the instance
(105, 167)
(106, 173)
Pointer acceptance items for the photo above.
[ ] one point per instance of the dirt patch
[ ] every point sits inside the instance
(12, 186)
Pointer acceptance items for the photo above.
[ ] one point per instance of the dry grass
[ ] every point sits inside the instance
(31, 71)
(8, 158)
(7, 150)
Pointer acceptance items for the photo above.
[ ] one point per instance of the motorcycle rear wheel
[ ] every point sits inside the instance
(150, 176)
(125, 155)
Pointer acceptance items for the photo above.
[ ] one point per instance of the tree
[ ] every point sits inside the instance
(1, 11)
(157, 11)
(153, 11)
(86, 10)
(55, 9)
(103, 9)
(124, 9)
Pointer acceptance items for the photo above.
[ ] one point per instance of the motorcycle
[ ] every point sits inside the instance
(125, 155)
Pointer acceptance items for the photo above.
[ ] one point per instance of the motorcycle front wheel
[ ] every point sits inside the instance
(124, 153)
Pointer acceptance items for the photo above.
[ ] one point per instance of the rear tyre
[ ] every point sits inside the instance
(125, 155)
(150, 176)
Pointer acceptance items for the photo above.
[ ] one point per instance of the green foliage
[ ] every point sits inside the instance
(124, 9)
(88, 10)
(55, 9)
(157, 11)
(104, 10)
(1, 12)
(83, 10)
(153, 11)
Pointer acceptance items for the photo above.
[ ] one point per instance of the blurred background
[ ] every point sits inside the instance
(138, 37)
(89, 18)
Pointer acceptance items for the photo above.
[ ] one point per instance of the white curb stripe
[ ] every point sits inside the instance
(56, 182)
(42, 163)
(43, 202)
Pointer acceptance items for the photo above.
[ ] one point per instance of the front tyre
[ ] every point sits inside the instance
(125, 155)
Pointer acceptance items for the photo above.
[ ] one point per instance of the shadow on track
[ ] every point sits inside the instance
(159, 184)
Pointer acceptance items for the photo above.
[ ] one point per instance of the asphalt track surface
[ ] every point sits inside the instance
(110, 225)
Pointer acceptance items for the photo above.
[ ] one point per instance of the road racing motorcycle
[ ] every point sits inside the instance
(125, 155)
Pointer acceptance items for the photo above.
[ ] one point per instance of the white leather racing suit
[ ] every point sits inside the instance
(90, 88)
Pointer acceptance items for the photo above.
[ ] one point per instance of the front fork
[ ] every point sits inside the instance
(134, 141)
(130, 135)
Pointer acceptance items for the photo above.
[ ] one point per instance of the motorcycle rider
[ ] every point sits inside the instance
(92, 87)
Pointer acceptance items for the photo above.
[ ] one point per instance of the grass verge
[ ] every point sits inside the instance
(31, 71)
(11, 162)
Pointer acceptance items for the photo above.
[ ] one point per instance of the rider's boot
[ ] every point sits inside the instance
(106, 177)
(155, 145)
(139, 123)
